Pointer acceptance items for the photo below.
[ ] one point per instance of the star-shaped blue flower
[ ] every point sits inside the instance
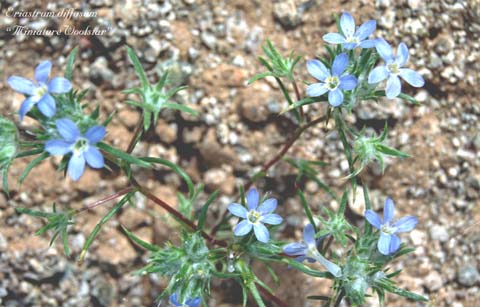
(389, 242)
(393, 69)
(82, 147)
(38, 92)
(255, 216)
(307, 250)
(193, 302)
(333, 82)
(351, 38)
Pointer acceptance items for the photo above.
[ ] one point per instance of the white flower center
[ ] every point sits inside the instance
(80, 146)
(253, 216)
(386, 228)
(393, 68)
(332, 82)
(39, 92)
(352, 39)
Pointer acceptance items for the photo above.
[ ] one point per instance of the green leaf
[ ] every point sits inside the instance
(203, 213)
(31, 165)
(259, 76)
(306, 208)
(405, 293)
(138, 67)
(343, 202)
(70, 61)
(34, 212)
(318, 297)
(123, 155)
(180, 107)
(140, 242)
(391, 151)
(299, 266)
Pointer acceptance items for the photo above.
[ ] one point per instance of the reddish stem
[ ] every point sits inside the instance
(104, 200)
(271, 297)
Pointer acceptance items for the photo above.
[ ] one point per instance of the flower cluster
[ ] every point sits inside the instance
(335, 81)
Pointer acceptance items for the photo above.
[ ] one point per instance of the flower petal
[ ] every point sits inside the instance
(59, 85)
(174, 299)
(22, 85)
(42, 71)
(295, 249)
(316, 89)
(193, 302)
(394, 244)
(349, 46)
(76, 167)
(67, 129)
(95, 134)
(412, 77)
(394, 87)
(261, 232)
(348, 82)
(384, 49)
(272, 219)
(318, 70)
(388, 210)
(334, 38)
(384, 243)
(330, 266)
(339, 64)
(373, 218)
(366, 29)
(94, 157)
(253, 198)
(242, 228)
(368, 43)
(309, 235)
(26, 106)
(402, 55)
(46, 105)
(238, 210)
(57, 147)
(335, 97)
(405, 224)
(347, 23)
(378, 74)
(268, 206)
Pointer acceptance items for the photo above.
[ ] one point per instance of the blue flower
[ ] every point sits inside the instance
(393, 69)
(389, 243)
(332, 81)
(307, 250)
(255, 216)
(39, 92)
(81, 146)
(195, 302)
(351, 38)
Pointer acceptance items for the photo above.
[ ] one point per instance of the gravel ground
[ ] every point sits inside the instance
(212, 46)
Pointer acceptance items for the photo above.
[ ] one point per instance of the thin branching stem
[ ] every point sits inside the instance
(105, 200)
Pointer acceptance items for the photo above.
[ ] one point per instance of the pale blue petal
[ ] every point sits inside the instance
(76, 167)
(384, 243)
(388, 210)
(252, 199)
(261, 232)
(193, 302)
(242, 228)
(384, 49)
(272, 219)
(347, 23)
(318, 70)
(405, 224)
(46, 105)
(394, 244)
(42, 71)
(334, 38)
(95, 134)
(349, 46)
(348, 82)
(339, 64)
(94, 157)
(369, 43)
(412, 77)
(378, 74)
(394, 87)
(59, 85)
(238, 210)
(268, 206)
(22, 85)
(26, 106)
(174, 299)
(335, 97)
(57, 147)
(402, 55)
(316, 89)
(295, 249)
(373, 218)
(366, 29)
(67, 129)
(309, 235)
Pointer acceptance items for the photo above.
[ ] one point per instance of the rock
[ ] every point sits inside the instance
(3, 243)
(418, 237)
(132, 218)
(100, 73)
(357, 206)
(468, 275)
(166, 132)
(286, 13)
(115, 251)
(209, 40)
(225, 75)
(439, 233)
(217, 178)
(433, 281)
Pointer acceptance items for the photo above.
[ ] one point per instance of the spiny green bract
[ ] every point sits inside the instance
(188, 267)
(8, 142)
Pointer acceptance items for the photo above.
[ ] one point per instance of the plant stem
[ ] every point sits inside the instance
(271, 296)
(138, 131)
(299, 97)
(104, 200)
